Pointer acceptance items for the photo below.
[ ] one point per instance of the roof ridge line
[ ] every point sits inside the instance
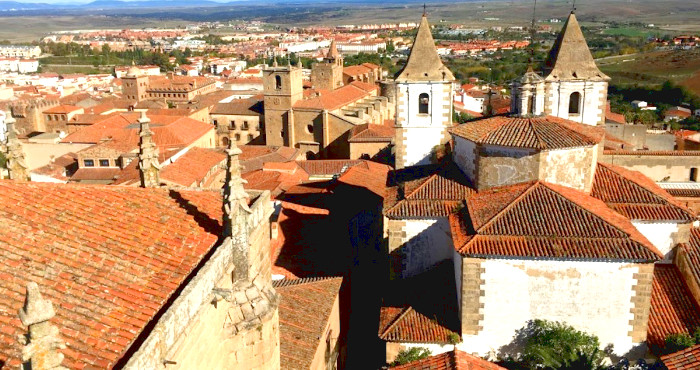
(634, 181)
(509, 206)
(398, 318)
(540, 141)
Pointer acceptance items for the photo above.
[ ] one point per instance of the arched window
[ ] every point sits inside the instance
(278, 82)
(575, 103)
(531, 105)
(224, 142)
(423, 103)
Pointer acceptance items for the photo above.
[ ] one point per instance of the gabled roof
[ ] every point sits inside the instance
(240, 107)
(543, 220)
(424, 63)
(673, 310)
(338, 98)
(570, 57)
(109, 258)
(431, 191)
(687, 359)
(635, 196)
(304, 312)
(540, 133)
(453, 360)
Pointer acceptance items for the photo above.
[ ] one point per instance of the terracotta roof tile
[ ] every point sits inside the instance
(109, 258)
(329, 167)
(684, 193)
(191, 168)
(371, 133)
(541, 133)
(692, 253)
(546, 220)
(247, 107)
(338, 98)
(453, 360)
(635, 196)
(405, 324)
(672, 310)
(687, 359)
(304, 311)
(675, 153)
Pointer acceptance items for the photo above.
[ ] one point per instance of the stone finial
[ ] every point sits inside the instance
(42, 345)
(149, 168)
(236, 211)
(274, 62)
(16, 163)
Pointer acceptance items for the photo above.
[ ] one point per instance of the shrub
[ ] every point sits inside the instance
(555, 345)
(409, 355)
(677, 342)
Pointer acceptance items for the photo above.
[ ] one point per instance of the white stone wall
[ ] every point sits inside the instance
(464, 157)
(571, 167)
(457, 260)
(422, 131)
(427, 243)
(591, 296)
(593, 94)
(660, 234)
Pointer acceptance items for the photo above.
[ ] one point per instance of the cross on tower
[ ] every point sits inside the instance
(424, 11)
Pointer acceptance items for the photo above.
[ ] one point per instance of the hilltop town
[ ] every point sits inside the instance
(370, 196)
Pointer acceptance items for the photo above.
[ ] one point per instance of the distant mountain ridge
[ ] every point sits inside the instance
(110, 4)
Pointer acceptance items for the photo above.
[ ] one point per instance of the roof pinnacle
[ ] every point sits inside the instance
(149, 168)
(41, 346)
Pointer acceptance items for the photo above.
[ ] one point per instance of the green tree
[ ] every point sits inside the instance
(677, 342)
(3, 160)
(409, 355)
(555, 345)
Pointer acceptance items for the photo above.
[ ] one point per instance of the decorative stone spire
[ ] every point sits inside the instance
(149, 168)
(236, 211)
(16, 163)
(42, 345)
(332, 51)
(424, 63)
(570, 58)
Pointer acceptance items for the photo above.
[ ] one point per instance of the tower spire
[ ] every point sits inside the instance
(16, 163)
(424, 63)
(149, 168)
(570, 57)
(42, 345)
(236, 211)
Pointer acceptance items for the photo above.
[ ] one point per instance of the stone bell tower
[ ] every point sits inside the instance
(328, 74)
(282, 88)
(423, 102)
(528, 95)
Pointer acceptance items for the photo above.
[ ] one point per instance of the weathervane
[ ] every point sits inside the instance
(573, 6)
(424, 11)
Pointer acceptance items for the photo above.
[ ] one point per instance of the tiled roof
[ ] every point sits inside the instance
(338, 98)
(87, 174)
(421, 309)
(687, 359)
(62, 109)
(329, 167)
(304, 311)
(453, 360)
(675, 153)
(371, 133)
(546, 220)
(191, 168)
(240, 107)
(253, 157)
(684, 193)
(109, 258)
(672, 310)
(635, 196)
(541, 133)
(434, 192)
(692, 253)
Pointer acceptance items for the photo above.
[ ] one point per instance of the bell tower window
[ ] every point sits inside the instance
(423, 103)
(531, 105)
(278, 82)
(575, 103)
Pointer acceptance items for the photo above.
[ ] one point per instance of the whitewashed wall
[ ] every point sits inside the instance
(428, 242)
(464, 157)
(571, 167)
(578, 293)
(593, 94)
(660, 234)
(424, 131)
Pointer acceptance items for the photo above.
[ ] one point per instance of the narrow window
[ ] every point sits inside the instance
(89, 163)
(224, 141)
(104, 162)
(575, 103)
(694, 174)
(278, 82)
(531, 105)
(423, 103)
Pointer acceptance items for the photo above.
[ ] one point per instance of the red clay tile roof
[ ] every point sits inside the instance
(405, 324)
(191, 168)
(253, 157)
(684, 193)
(673, 309)
(687, 359)
(338, 98)
(109, 258)
(278, 180)
(304, 312)
(87, 174)
(329, 167)
(435, 195)
(635, 196)
(676, 153)
(453, 360)
(545, 220)
(542, 133)
(240, 107)
(371, 133)
(692, 253)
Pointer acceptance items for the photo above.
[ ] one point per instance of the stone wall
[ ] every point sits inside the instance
(499, 166)
(358, 149)
(684, 264)
(215, 325)
(656, 166)
(499, 296)
(571, 167)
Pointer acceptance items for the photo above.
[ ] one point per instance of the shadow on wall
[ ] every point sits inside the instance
(429, 248)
